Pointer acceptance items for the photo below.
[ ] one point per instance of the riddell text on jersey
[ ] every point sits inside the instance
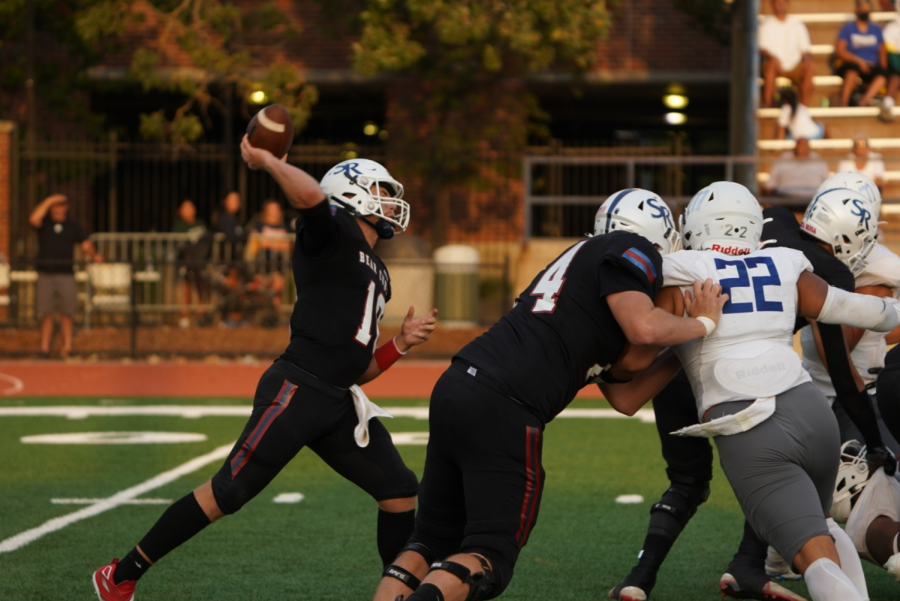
(730, 250)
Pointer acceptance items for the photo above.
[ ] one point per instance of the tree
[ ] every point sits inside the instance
(219, 39)
(460, 67)
(61, 59)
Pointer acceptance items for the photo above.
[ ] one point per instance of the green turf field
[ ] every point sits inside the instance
(323, 548)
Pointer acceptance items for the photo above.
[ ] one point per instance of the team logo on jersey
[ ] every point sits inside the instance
(863, 213)
(640, 260)
(661, 212)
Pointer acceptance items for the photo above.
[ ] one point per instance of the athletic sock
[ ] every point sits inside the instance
(749, 563)
(850, 563)
(394, 530)
(182, 520)
(427, 592)
(826, 582)
(131, 567)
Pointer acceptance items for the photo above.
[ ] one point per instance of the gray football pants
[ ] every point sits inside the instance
(783, 470)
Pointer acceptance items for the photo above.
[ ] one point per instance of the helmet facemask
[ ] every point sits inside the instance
(364, 187)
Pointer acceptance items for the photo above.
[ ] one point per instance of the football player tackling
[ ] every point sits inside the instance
(481, 489)
(777, 439)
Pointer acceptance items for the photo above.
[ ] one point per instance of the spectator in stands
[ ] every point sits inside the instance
(864, 160)
(228, 222)
(785, 48)
(797, 174)
(795, 120)
(271, 247)
(891, 34)
(860, 55)
(193, 256)
(57, 237)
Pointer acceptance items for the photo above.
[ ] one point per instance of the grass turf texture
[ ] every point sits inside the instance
(324, 547)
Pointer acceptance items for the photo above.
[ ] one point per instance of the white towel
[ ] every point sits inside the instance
(761, 410)
(365, 410)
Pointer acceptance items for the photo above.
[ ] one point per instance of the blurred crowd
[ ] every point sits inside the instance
(240, 283)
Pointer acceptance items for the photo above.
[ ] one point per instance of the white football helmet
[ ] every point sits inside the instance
(842, 218)
(356, 185)
(853, 474)
(640, 212)
(858, 182)
(724, 217)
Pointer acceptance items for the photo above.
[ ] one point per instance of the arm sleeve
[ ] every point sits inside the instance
(854, 402)
(320, 235)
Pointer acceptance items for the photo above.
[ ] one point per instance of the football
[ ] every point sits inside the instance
(271, 129)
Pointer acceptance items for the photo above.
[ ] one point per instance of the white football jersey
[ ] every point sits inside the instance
(750, 353)
(882, 269)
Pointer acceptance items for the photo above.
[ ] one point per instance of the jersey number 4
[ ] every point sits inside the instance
(550, 284)
(374, 308)
(743, 280)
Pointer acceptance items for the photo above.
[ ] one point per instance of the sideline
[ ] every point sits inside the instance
(196, 411)
(120, 498)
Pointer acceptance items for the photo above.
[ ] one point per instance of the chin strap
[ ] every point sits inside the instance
(384, 229)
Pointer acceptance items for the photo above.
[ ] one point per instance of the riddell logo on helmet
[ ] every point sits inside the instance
(809, 228)
(730, 250)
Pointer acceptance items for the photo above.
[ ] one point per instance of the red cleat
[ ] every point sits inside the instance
(107, 590)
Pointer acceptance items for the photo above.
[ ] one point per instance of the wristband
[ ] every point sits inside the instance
(387, 354)
(709, 324)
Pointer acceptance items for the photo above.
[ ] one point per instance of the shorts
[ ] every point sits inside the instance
(874, 71)
(293, 409)
(55, 290)
(481, 489)
(795, 73)
(783, 470)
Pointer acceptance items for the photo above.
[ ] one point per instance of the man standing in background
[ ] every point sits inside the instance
(57, 237)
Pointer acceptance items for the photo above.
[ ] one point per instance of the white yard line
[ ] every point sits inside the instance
(92, 501)
(196, 411)
(120, 498)
(15, 385)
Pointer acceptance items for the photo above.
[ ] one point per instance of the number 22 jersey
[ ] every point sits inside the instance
(750, 354)
(561, 332)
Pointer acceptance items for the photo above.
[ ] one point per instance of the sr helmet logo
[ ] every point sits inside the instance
(349, 169)
(863, 213)
(661, 211)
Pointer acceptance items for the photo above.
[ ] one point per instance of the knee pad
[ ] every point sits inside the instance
(480, 585)
(681, 501)
(230, 496)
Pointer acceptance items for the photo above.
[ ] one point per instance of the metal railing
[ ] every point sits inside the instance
(562, 193)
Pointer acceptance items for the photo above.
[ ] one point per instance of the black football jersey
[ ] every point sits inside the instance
(784, 229)
(342, 289)
(561, 332)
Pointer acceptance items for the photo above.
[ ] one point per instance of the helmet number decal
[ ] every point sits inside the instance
(374, 308)
(743, 280)
(551, 283)
(739, 231)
